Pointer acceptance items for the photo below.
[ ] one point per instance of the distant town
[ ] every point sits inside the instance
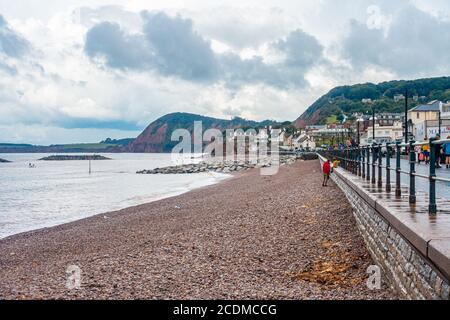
(422, 122)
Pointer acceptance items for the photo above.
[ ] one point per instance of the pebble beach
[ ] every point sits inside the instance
(248, 237)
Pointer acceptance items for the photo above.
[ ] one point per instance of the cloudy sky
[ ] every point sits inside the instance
(81, 71)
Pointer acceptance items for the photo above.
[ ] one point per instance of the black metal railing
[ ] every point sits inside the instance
(357, 161)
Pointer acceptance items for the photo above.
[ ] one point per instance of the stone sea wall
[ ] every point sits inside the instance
(408, 271)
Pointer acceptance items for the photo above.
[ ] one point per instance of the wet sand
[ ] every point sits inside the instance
(248, 237)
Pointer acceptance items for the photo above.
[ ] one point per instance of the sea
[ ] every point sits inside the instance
(36, 194)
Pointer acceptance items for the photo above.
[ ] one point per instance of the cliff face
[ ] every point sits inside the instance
(152, 139)
(157, 136)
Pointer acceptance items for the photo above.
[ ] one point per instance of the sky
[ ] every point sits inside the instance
(81, 71)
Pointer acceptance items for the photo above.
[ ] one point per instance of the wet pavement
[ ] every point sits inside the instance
(442, 188)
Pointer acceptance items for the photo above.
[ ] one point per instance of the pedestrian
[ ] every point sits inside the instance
(335, 163)
(447, 153)
(326, 172)
(421, 157)
(437, 151)
(426, 151)
(417, 151)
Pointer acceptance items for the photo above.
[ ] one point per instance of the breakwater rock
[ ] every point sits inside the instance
(219, 166)
(74, 157)
(309, 156)
(4, 161)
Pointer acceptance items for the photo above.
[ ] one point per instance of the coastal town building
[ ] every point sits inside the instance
(398, 97)
(424, 112)
(430, 128)
(305, 142)
(424, 119)
(383, 133)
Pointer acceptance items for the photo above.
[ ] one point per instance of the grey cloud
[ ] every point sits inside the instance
(301, 52)
(11, 43)
(171, 46)
(301, 49)
(119, 49)
(179, 49)
(238, 72)
(415, 44)
(168, 45)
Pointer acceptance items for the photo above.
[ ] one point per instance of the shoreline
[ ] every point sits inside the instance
(248, 236)
(148, 200)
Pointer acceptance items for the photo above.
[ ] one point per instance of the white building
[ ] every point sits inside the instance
(398, 97)
(305, 142)
(429, 129)
(383, 134)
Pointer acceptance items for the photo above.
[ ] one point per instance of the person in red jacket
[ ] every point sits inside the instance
(326, 172)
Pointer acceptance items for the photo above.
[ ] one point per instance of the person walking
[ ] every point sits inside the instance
(417, 151)
(326, 172)
(426, 151)
(447, 153)
(437, 152)
(335, 164)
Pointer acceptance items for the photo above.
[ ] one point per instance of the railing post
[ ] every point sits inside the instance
(374, 160)
(349, 157)
(412, 171)
(344, 155)
(350, 160)
(380, 168)
(388, 168)
(368, 164)
(363, 162)
(358, 154)
(354, 162)
(432, 209)
(398, 190)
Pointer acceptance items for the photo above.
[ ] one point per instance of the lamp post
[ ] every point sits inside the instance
(373, 125)
(439, 119)
(374, 153)
(406, 115)
(357, 128)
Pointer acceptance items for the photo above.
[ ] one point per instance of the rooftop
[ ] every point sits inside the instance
(431, 106)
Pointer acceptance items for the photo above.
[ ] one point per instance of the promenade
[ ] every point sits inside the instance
(250, 237)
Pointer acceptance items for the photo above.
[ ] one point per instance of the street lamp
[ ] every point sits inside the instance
(373, 125)
(406, 115)
(357, 128)
(439, 119)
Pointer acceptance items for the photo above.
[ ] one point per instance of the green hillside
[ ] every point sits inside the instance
(348, 99)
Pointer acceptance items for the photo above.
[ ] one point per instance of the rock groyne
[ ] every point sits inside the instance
(225, 166)
(74, 157)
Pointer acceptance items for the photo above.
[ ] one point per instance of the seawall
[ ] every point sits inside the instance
(411, 247)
